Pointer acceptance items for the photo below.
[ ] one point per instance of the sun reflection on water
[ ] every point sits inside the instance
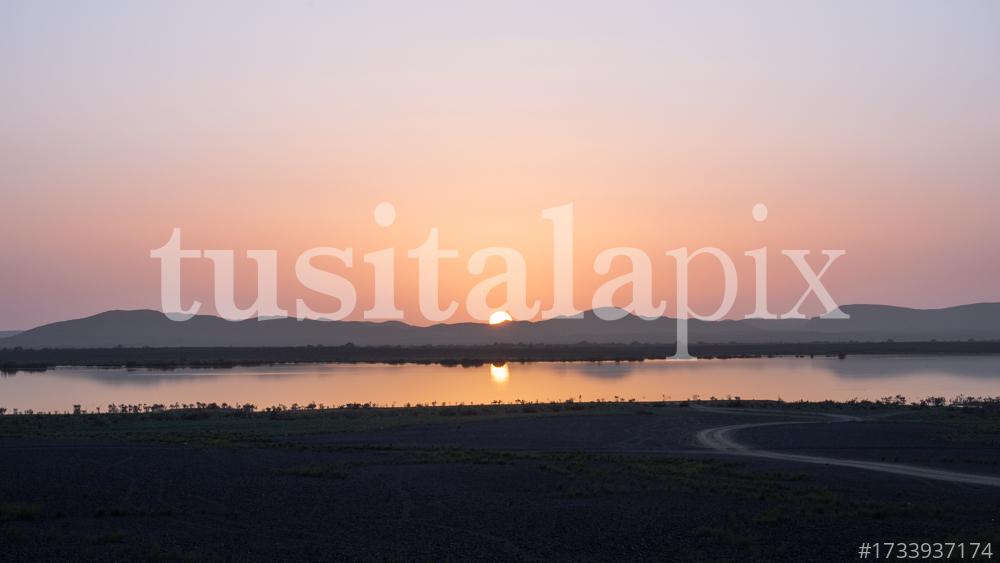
(499, 373)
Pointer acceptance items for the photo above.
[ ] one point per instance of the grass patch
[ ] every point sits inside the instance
(972, 426)
(118, 511)
(110, 537)
(316, 471)
(230, 428)
(17, 511)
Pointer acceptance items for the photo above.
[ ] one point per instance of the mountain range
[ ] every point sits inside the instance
(868, 323)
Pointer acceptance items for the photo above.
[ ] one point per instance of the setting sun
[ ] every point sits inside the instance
(500, 317)
(282, 226)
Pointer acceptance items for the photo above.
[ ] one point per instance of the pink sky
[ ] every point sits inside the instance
(872, 129)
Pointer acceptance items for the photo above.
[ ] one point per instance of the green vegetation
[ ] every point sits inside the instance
(978, 426)
(14, 511)
(317, 471)
(725, 509)
(752, 505)
(215, 426)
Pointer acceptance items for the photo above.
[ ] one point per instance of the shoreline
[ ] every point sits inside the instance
(204, 410)
(14, 360)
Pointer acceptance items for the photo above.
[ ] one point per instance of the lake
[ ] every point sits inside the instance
(790, 379)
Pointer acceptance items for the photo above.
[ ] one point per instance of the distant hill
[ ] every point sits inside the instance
(6, 333)
(871, 323)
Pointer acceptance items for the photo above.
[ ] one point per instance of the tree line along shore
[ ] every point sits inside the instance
(13, 360)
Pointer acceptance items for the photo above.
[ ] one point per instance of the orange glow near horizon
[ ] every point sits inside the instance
(664, 125)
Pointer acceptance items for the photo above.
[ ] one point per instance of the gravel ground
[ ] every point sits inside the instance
(578, 486)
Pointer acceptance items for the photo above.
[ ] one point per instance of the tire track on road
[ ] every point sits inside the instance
(721, 439)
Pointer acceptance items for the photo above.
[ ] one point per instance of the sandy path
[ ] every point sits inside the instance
(721, 439)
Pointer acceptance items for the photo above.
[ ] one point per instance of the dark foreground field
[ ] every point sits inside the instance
(580, 482)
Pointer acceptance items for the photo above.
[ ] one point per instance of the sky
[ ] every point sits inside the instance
(862, 126)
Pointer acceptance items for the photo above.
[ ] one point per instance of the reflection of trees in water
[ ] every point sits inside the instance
(905, 366)
(157, 376)
(613, 369)
(851, 367)
(138, 377)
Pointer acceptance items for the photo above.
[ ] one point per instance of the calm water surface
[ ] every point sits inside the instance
(333, 384)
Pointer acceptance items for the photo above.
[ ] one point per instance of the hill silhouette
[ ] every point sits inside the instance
(868, 323)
